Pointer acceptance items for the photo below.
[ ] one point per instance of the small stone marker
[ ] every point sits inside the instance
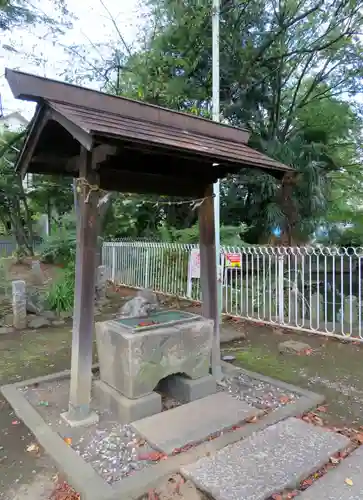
(334, 485)
(293, 347)
(19, 304)
(267, 462)
(38, 322)
(193, 422)
(37, 273)
(351, 310)
(316, 309)
(101, 282)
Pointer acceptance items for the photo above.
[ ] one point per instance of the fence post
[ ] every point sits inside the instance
(113, 264)
(147, 263)
(280, 288)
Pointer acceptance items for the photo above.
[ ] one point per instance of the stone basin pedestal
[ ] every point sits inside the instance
(133, 360)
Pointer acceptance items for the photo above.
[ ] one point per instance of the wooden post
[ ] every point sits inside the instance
(208, 274)
(84, 299)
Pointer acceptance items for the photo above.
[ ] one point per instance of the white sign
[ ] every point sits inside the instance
(193, 269)
(194, 263)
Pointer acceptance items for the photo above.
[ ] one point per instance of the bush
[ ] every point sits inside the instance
(230, 235)
(59, 248)
(60, 297)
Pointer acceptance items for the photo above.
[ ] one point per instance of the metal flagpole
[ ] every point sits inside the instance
(216, 355)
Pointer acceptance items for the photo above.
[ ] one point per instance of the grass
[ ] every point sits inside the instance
(25, 355)
(258, 360)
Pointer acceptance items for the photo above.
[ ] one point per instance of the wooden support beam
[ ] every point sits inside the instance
(128, 181)
(208, 272)
(82, 337)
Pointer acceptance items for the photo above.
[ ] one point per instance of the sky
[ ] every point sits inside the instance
(36, 51)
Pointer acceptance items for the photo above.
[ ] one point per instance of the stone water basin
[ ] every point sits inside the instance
(133, 358)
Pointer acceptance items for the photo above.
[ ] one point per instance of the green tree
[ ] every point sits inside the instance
(20, 12)
(15, 211)
(286, 68)
(51, 195)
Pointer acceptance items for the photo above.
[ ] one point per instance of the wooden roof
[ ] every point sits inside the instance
(139, 147)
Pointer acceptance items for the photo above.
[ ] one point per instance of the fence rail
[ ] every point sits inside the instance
(316, 289)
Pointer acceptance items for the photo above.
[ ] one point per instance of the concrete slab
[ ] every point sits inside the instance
(333, 486)
(91, 486)
(267, 462)
(193, 422)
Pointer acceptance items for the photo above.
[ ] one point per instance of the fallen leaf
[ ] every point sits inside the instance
(321, 409)
(153, 456)
(317, 420)
(276, 496)
(284, 399)
(307, 482)
(348, 481)
(33, 448)
(251, 420)
(68, 440)
(293, 494)
(359, 437)
(334, 460)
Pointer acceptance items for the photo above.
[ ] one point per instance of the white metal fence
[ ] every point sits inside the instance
(309, 288)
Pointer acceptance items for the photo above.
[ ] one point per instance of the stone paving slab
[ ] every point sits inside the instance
(267, 462)
(193, 422)
(333, 486)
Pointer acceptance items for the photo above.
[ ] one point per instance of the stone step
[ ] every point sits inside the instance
(333, 485)
(193, 422)
(267, 462)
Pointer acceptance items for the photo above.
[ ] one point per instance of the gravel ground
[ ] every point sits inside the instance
(257, 393)
(113, 450)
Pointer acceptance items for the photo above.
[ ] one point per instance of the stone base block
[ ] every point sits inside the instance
(186, 390)
(127, 410)
(134, 359)
(91, 419)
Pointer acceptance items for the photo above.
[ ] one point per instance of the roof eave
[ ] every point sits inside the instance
(36, 126)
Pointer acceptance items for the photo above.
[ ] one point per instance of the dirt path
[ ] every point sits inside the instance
(25, 476)
(333, 369)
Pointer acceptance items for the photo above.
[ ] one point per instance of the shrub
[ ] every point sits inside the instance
(60, 247)
(229, 235)
(60, 297)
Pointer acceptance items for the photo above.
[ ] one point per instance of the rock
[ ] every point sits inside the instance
(293, 347)
(66, 314)
(149, 295)
(8, 320)
(38, 322)
(142, 305)
(37, 275)
(229, 358)
(34, 301)
(51, 315)
(58, 322)
(4, 330)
